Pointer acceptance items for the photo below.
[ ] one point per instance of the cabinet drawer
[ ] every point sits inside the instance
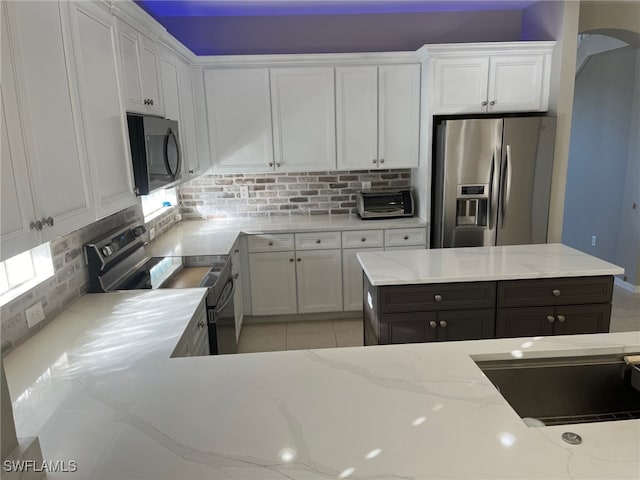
(317, 240)
(362, 238)
(442, 296)
(277, 242)
(555, 291)
(405, 236)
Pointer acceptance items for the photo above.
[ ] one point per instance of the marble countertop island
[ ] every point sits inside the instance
(97, 386)
(513, 262)
(216, 237)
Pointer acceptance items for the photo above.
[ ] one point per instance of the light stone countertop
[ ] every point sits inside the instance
(216, 237)
(471, 264)
(98, 387)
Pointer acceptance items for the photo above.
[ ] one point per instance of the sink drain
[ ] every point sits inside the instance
(572, 438)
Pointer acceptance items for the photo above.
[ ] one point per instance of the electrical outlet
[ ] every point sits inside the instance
(366, 185)
(152, 233)
(244, 191)
(34, 314)
(593, 240)
(178, 217)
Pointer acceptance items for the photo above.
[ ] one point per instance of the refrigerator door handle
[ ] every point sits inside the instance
(506, 189)
(493, 189)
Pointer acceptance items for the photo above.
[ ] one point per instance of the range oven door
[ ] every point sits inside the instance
(222, 322)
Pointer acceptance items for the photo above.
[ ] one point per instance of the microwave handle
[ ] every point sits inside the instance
(171, 133)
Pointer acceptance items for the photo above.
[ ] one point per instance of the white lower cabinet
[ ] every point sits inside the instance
(273, 283)
(352, 277)
(319, 281)
(238, 303)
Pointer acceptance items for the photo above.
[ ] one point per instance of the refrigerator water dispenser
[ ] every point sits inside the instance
(472, 205)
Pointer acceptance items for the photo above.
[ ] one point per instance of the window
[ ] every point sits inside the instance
(157, 202)
(24, 271)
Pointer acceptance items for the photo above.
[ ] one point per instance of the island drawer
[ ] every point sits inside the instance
(276, 242)
(318, 240)
(362, 238)
(441, 296)
(555, 291)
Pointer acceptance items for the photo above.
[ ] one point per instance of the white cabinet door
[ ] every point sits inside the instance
(357, 117)
(303, 106)
(239, 117)
(140, 70)
(319, 275)
(460, 84)
(273, 283)
(516, 83)
(48, 103)
(150, 74)
(398, 116)
(352, 278)
(16, 203)
(170, 90)
(188, 122)
(103, 117)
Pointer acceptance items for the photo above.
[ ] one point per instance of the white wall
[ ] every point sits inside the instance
(599, 155)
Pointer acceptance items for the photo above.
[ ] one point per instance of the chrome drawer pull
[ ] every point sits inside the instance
(556, 293)
(561, 318)
(443, 324)
(433, 324)
(437, 298)
(550, 318)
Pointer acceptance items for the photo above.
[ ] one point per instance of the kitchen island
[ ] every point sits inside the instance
(98, 386)
(484, 292)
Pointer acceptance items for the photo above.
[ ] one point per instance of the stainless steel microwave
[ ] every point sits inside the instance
(385, 203)
(155, 152)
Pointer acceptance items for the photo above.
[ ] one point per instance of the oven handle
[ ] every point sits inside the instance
(226, 301)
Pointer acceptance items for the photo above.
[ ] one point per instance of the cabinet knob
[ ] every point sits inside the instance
(363, 239)
(484, 104)
(191, 171)
(375, 161)
(200, 324)
(492, 102)
(151, 101)
(318, 240)
(556, 293)
(236, 275)
(550, 318)
(382, 160)
(433, 324)
(561, 318)
(236, 251)
(271, 164)
(278, 164)
(37, 225)
(291, 259)
(299, 259)
(48, 221)
(406, 237)
(437, 298)
(443, 324)
(146, 101)
(271, 244)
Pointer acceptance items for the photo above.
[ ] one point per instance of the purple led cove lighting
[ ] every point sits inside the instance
(216, 8)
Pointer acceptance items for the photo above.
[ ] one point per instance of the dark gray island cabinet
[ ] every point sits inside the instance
(428, 306)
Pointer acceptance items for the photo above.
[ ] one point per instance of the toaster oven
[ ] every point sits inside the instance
(385, 203)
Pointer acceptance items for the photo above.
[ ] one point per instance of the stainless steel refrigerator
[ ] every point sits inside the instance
(492, 181)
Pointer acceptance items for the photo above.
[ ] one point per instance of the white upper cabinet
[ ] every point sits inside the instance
(48, 103)
(188, 122)
(17, 210)
(140, 73)
(239, 117)
(472, 78)
(357, 117)
(398, 116)
(103, 118)
(303, 103)
(170, 90)
(377, 116)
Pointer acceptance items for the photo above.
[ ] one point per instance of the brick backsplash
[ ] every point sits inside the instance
(280, 194)
(71, 276)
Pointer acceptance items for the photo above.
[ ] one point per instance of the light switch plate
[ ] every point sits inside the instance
(34, 314)
(366, 185)
(244, 191)
(152, 233)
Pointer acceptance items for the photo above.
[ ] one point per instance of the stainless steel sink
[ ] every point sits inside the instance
(559, 391)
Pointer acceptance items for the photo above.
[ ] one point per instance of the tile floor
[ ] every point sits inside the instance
(270, 337)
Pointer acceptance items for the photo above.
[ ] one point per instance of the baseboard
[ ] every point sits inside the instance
(627, 286)
(26, 455)
(303, 317)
